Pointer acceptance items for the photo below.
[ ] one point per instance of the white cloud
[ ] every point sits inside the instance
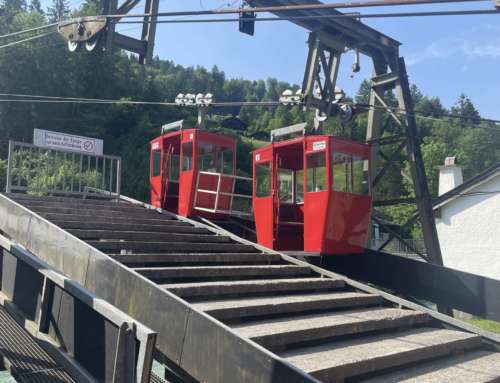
(473, 43)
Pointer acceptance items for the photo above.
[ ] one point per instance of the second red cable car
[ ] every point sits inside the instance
(312, 194)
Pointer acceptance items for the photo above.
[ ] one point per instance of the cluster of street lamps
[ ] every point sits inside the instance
(190, 99)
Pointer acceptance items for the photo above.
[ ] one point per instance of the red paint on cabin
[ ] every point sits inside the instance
(176, 160)
(312, 194)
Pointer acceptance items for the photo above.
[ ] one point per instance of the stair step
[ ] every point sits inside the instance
(77, 204)
(156, 220)
(147, 236)
(169, 226)
(476, 366)
(282, 304)
(156, 273)
(25, 198)
(187, 258)
(174, 247)
(334, 361)
(95, 210)
(277, 333)
(205, 289)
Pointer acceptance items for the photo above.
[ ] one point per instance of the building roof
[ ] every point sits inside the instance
(467, 186)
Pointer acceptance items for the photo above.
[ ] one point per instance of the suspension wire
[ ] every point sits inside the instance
(54, 99)
(28, 30)
(27, 39)
(342, 16)
(288, 8)
(418, 114)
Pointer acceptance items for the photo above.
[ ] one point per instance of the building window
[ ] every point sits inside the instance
(263, 179)
(316, 172)
(187, 156)
(156, 163)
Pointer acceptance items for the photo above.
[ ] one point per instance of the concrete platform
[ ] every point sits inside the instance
(251, 286)
(226, 309)
(335, 361)
(277, 333)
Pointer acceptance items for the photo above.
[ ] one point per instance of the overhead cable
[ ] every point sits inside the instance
(39, 36)
(28, 30)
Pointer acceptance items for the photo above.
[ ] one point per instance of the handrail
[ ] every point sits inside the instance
(30, 167)
(218, 193)
(129, 330)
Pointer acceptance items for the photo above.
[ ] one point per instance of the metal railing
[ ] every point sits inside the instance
(397, 247)
(215, 197)
(33, 169)
(45, 290)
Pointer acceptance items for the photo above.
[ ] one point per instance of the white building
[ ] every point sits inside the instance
(467, 218)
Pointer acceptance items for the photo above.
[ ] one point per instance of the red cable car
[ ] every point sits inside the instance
(312, 194)
(192, 171)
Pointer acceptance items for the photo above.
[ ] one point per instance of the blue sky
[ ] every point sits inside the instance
(445, 55)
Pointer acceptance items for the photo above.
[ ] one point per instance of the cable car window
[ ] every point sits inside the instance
(299, 186)
(285, 185)
(263, 179)
(227, 161)
(207, 157)
(173, 175)
(187, 156)
(342, 172)
(360, 175)
(156, 163)
(316, 172)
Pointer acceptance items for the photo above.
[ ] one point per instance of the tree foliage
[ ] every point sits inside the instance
(45, 67)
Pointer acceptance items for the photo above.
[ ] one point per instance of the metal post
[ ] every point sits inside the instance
(124, 370)
(217, 195)
(118, 176)
(424, 201)
(9, 168)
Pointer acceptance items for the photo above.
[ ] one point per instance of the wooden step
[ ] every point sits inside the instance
(206, 289)
(334, 361)
(161, 273)
(174, 247)
(201, 258)
(147, 236)
(26, 198)
(227, 309)
(277, 333)
(473, 367)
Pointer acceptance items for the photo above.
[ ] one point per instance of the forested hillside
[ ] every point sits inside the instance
(45, 67)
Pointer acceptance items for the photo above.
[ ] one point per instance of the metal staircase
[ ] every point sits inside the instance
(227, 310)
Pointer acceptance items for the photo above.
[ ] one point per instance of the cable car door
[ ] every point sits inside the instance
(155, 177)
(264, 205)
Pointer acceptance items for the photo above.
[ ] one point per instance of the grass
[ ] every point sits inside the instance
(255, 143)
(485, 324)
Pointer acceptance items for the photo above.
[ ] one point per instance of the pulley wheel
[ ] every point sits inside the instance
(92, 44)
(73, 46)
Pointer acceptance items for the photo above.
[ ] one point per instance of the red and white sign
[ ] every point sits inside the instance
(62, 141)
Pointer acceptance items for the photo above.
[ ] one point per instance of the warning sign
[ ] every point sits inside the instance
(62, 141)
